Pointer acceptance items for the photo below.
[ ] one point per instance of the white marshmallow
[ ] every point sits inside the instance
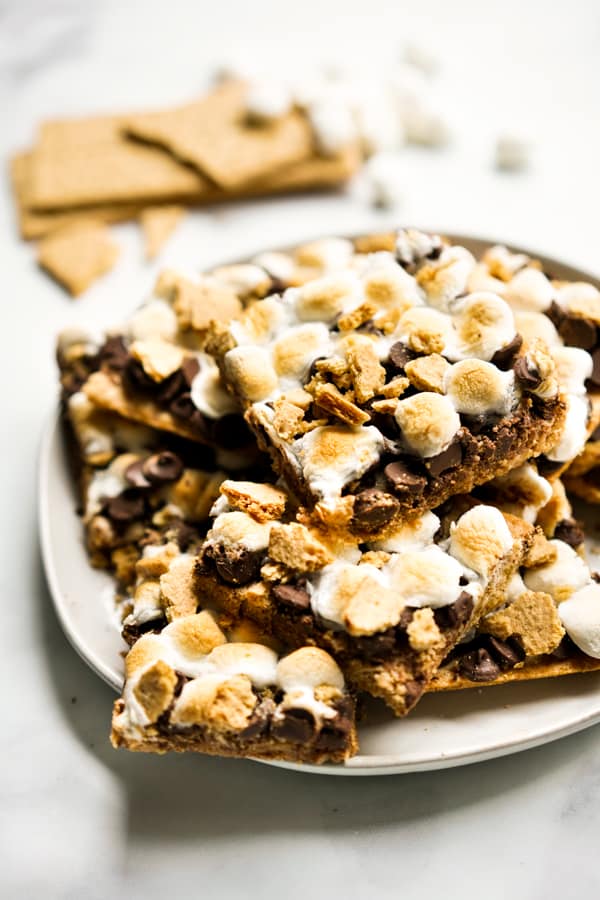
(562, 577)
(532, 325)
(480, 539)
(484, 324)
(479, 388)
(333, 125)
(427, 577)
(155, 319)
(428, 422)
(580, 615)
(573, 367)
(268, 99)
(416, 534)
(238, 528)
(575, 430)
(513, 151)
(332, 456)
(529, 290)
(208, 392)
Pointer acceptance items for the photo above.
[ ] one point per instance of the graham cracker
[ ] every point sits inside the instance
(449, 679)
(34, 224)
(78, 254)
(213, 134)
(158, 224)
(84, 162)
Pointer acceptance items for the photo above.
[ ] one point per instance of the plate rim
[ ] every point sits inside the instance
(359, 765)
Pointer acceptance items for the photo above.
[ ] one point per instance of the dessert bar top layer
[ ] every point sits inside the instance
(394, 371)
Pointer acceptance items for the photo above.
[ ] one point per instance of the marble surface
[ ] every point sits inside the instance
(78, 819)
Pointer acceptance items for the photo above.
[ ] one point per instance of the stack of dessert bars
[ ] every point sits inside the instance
(337, 471)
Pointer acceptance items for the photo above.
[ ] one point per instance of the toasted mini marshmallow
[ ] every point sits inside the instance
(297, 348)
(327, 254)
(222, 704)
(481, 280)
(428, 422)
(325, 298)
(413, 246)
(480, 539)
(256, 661)
(246, 279)
(480, 388)
(261, 321)
(158, 358)
(529, 291)
(415, 534)
(566, 574)
(267, 99)
(107, 483)
(155, 319)
(484, 324)
(425, 330)
(426, 577)
(146, 650)
(251, 370)
(208, 392)
(575, 430)
(580, 615)
(308, 667)
(235, 528)
(388, 285)
(580, 298)
(573, 367)
(277, 265)
(502, 263)
(445, 278)
(190, 638)
(522, 492)
(333, 455)
(532, 325)
(83, 338)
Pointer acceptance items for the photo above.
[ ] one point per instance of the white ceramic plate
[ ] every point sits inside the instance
(444, 730)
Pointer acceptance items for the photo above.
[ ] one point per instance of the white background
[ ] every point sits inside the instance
(78, 819)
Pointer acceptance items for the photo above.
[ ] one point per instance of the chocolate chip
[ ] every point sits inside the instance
(506, 653)
(162, 468)
(406, 617)
(412, 692)
(594, 378)
(114, 354)
(565, 649)
(457, 613)
(377, 646)
(529, 376)
(569, 531)
(447, 459)
(478, 665)
(171, 388)
(259, 720)
(185, 535)
(291, 595)
(577, 332)
(134, 475)
(183, 407)
(334, 734)
(235, 565)
(136, 379)
(400, 354)
(126, 507)
(296, 725)
(402, 480)
(374, 508)
(505, 357)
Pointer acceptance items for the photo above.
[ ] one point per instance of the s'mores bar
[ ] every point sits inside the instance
(388, 610)
(388, 385)
(193, 688)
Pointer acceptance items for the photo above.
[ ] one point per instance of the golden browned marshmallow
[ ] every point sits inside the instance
(324, 254)
(239, 528)
(159, 359)
(502, 263)
(221, 704)
(262, 501)
(196, 635)
(296, 547)
(480, 539)
(479, 388)
(581, 299)
(251, 370)
(529, 290)
(296, 349)
(428, 422)
(425, 330)
(532, 618)
(539, 359)
(147, 649)
(308, 667)
(156, 560)
(532, 325)
(484, 324)
(155, 688)
(445, 278)
(324, 298)
(245, 279)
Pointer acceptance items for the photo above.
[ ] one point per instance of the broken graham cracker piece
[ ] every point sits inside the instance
(427, 373)
(261, 501)
(328, 398)
(532, 618)
(214, 135)
(158, 224)
(77, 255)
(191, 688)
(198, 303)
(296, 547)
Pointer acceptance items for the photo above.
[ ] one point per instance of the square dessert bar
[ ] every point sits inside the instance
(152, 368)
(389, 610)
(387, 386)
(190, 688)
